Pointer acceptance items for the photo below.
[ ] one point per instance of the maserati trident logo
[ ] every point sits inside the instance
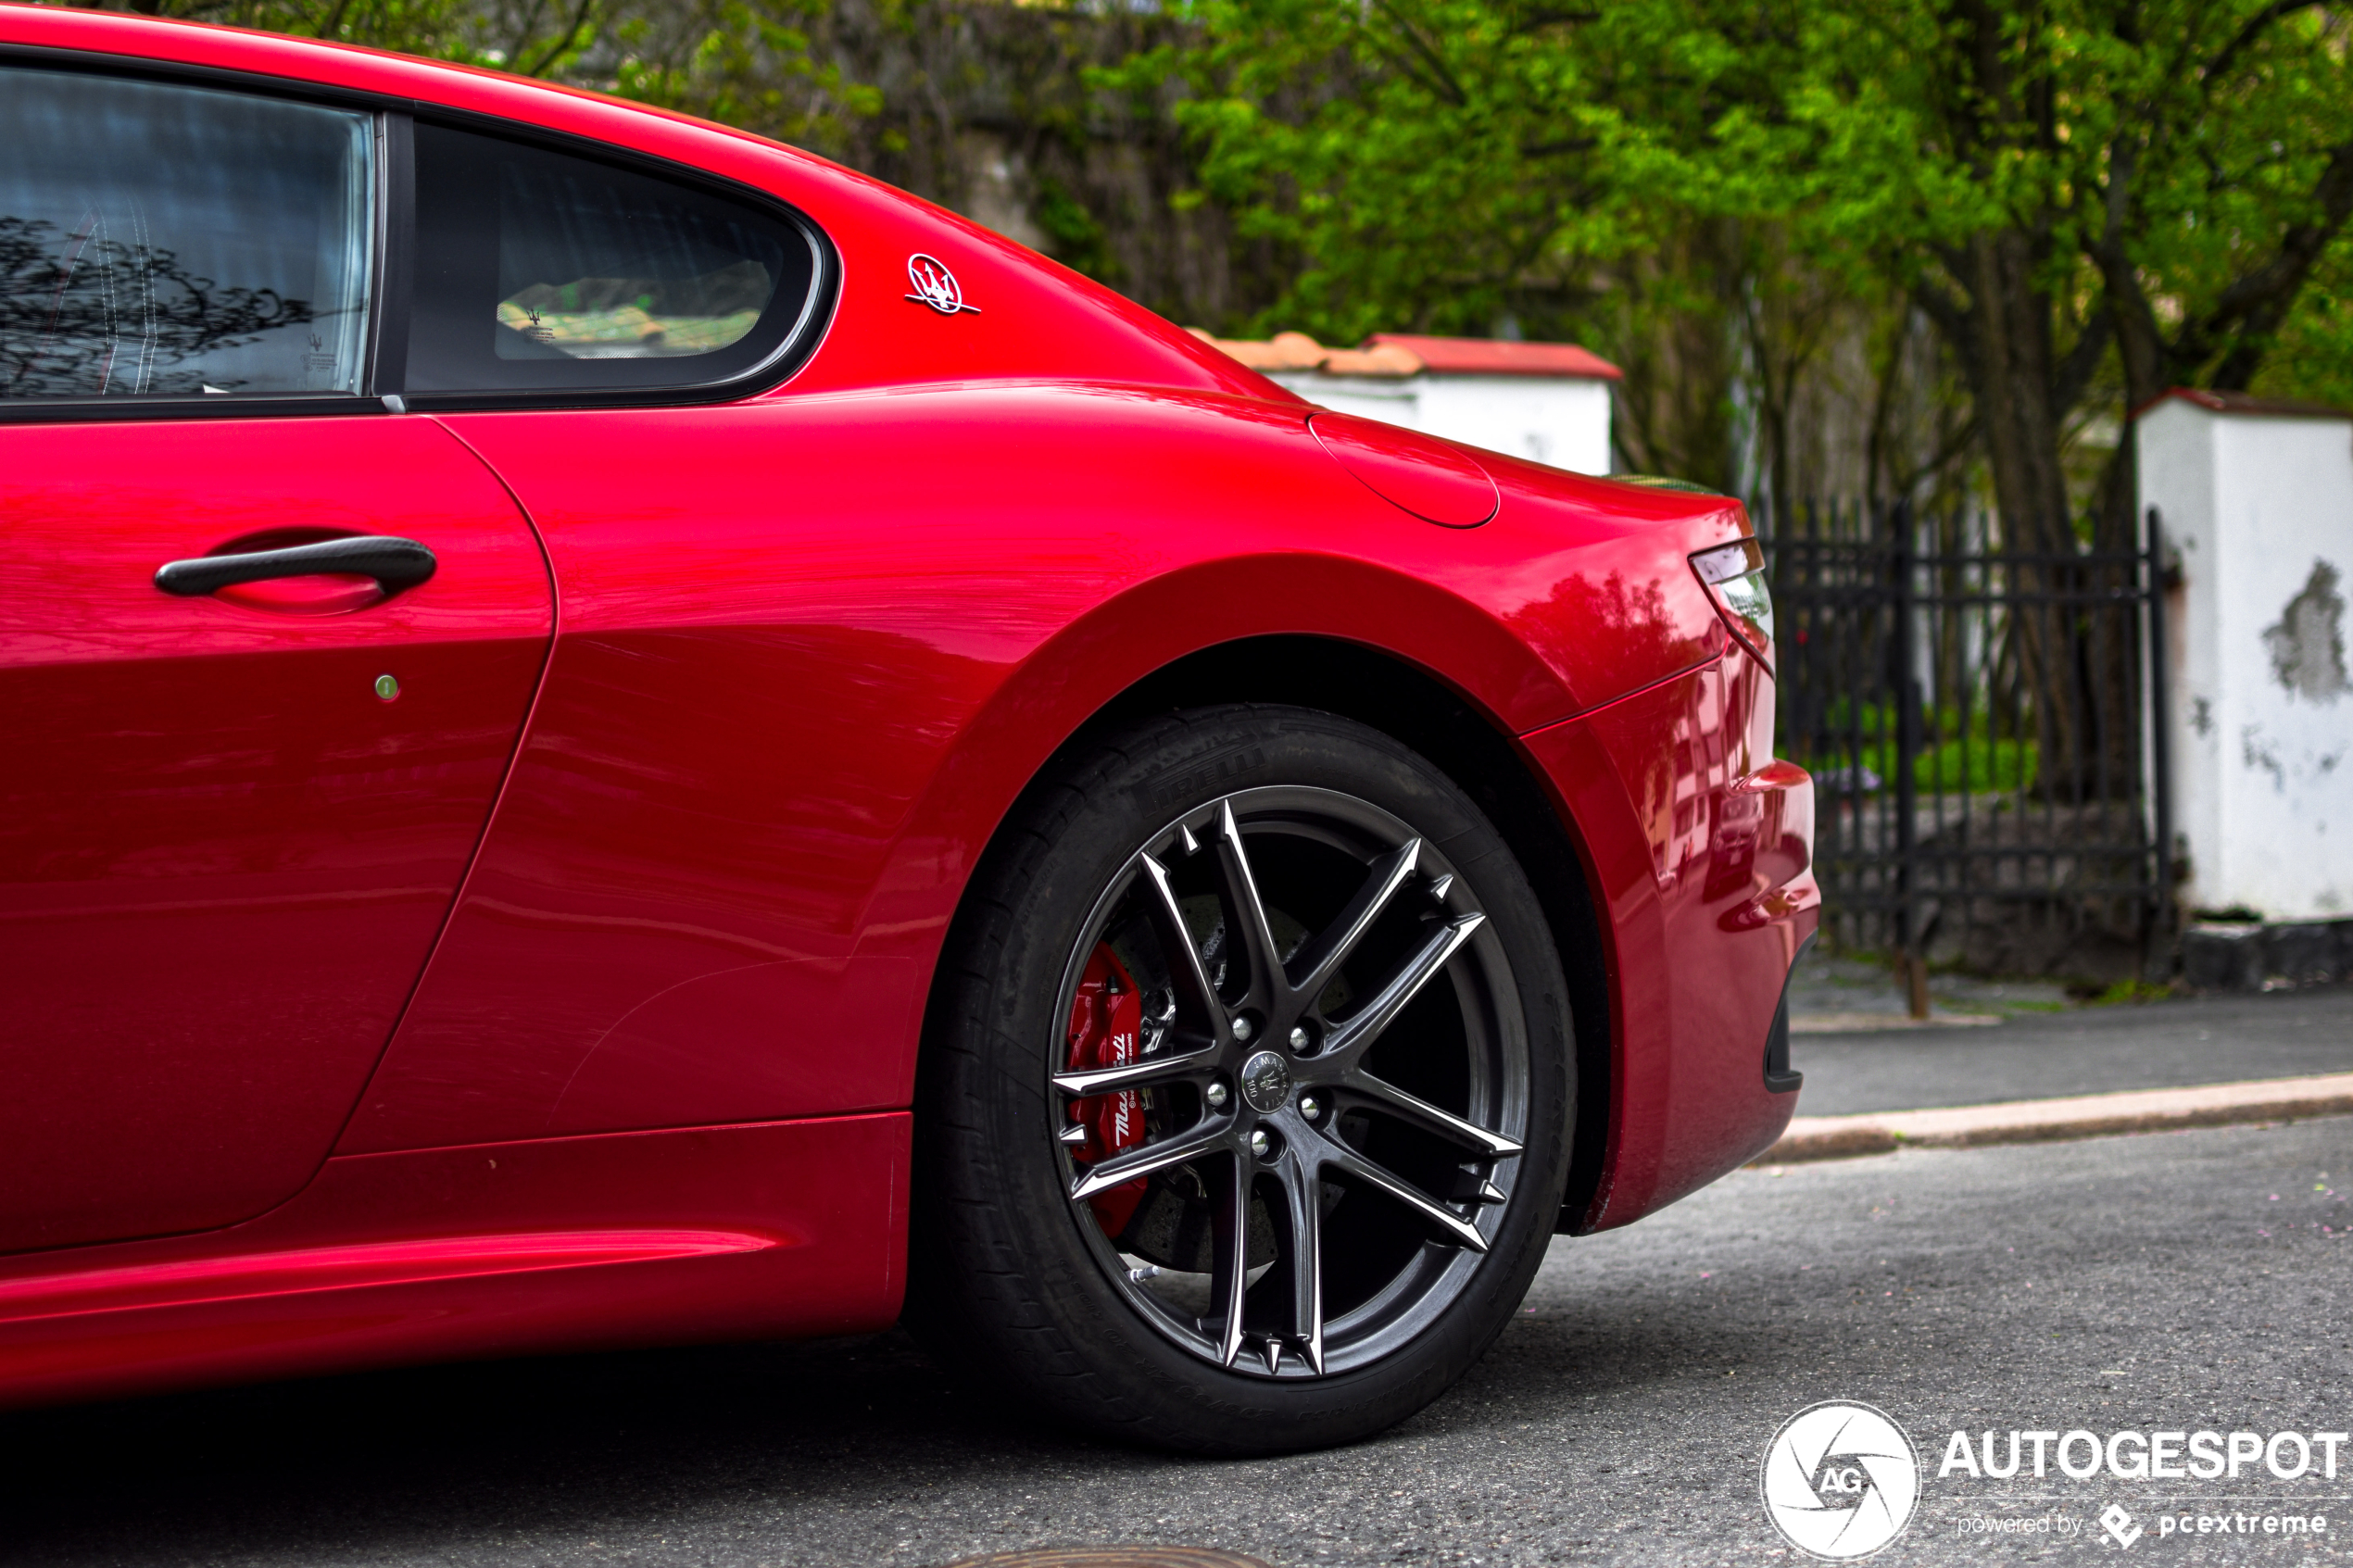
(1266, 1083)
(1841, 1480)
(935, 286)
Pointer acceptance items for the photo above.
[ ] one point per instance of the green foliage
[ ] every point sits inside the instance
(1954, 758)
(1076, 234)
(1972, 766)
(1427, 162)
(531, 37)
(746, 63)
(2090, 199)
(2313, 355)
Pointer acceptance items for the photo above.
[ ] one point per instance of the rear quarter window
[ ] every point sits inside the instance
(542, 271)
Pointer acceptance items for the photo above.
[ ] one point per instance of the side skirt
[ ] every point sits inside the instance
(781, 1229)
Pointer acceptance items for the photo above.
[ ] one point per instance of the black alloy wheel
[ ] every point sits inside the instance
(1244, 1106)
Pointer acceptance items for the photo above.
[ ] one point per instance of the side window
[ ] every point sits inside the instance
(538, 271)
(163, 241)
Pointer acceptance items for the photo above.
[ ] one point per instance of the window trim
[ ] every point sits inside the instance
(387, 346)
(395, 255)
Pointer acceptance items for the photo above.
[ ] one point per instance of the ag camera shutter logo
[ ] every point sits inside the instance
(1839, 1480)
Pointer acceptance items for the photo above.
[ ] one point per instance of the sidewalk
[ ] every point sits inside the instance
(2085, 1051)
(2083, 1073)
(1832, 994)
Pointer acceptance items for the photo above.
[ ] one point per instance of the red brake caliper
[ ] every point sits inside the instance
(1106, 1019)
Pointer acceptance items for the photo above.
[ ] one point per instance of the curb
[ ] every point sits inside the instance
(2051, 1121)
(1881, 1022)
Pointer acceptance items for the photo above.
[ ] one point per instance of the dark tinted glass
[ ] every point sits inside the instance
(537, 271)
(176, 241)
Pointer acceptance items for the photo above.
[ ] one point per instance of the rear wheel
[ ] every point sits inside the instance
(1244, 1115)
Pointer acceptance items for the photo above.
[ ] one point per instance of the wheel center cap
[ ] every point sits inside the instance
(1267, 1082)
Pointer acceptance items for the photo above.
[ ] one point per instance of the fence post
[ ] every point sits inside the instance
(1908, 748)
(2156, 962)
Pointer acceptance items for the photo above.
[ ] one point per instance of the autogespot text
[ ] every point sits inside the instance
(2140, 1456)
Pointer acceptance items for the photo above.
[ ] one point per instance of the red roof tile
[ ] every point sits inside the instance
(2240, 402)
(1492, 356)
(1397, 355)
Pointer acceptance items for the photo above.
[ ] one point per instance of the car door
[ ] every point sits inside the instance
(657, 931)
(243, 790)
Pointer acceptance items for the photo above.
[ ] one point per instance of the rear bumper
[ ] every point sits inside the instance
(1698, 845)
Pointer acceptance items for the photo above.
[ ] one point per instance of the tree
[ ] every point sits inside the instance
(2090, 200)
(2093, 202)
(2056, 184)
(530, 37)
(993, 108)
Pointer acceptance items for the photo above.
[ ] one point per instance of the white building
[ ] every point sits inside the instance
(2256, 501)
(1545, 401)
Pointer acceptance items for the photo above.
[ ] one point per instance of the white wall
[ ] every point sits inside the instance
(1561, 421)
(2258, 510)
(1393, 401)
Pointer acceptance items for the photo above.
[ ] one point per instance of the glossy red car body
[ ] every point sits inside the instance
(574, 998)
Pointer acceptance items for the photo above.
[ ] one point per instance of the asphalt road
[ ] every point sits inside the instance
(2148, 1282)
(2083, 1052)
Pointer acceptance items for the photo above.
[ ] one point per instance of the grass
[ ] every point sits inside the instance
(1968, 760)
(1975, 767)
(2129, 991)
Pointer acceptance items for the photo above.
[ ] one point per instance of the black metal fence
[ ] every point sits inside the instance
(1975, 720)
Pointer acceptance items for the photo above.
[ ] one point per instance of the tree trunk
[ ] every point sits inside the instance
(2005, 350)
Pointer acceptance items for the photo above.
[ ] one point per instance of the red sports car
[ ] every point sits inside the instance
(620, 734)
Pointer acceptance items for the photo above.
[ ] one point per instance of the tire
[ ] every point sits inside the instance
(1089, 1195)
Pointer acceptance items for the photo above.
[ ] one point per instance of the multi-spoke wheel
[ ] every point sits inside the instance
(1245, 1105)
(1298, 957)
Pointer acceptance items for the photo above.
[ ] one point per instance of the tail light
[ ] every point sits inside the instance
(1735, 577)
